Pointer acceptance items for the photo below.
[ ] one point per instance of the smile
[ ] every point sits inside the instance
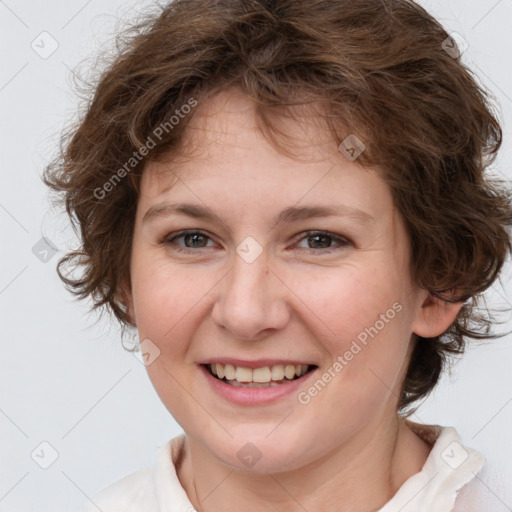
(266, 376)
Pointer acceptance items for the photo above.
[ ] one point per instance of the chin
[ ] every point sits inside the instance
(260, 453)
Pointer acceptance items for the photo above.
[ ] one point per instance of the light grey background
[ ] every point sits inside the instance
(67, 381)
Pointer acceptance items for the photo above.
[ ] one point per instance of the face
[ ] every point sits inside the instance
(261, 289)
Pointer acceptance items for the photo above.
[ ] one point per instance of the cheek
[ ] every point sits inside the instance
(349, 300)
(168, 301)
(367, 318)
(166, 296)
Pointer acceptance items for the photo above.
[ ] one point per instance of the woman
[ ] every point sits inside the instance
(288, 202)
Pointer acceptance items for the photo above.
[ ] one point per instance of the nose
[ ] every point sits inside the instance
(252, 300)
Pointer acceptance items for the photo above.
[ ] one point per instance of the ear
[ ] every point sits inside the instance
(434, 316)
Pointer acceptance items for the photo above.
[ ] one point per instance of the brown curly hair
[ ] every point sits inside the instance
(383, 71)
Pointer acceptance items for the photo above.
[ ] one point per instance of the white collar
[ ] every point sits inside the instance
(449, 466)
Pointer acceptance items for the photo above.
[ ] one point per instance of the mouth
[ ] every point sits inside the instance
(262, 377)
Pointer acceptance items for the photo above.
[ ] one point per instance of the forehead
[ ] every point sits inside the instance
(227, 138)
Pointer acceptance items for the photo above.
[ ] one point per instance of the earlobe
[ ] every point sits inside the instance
(434, 316)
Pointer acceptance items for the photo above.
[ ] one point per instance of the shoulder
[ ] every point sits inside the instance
(126, 495)
(144, 489)
(482, 493)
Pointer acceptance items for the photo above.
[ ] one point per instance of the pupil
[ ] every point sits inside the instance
(316, 237)
(195, 236)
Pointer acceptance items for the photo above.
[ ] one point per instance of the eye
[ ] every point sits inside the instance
(193, 240)
(321, 241)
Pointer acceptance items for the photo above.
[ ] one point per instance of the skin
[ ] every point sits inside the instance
(296, 300)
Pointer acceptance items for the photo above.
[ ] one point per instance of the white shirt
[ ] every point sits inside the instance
(449, 468)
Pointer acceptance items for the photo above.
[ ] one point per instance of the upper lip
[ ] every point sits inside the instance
(258, 363)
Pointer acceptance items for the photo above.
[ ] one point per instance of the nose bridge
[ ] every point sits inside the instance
(251, 299)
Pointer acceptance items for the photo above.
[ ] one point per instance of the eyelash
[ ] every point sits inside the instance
(169, 241)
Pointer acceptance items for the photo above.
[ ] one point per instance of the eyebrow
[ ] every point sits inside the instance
(288, 215)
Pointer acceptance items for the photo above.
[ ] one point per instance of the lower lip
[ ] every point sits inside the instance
(254, 396)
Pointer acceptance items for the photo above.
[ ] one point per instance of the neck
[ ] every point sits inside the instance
(378, 459)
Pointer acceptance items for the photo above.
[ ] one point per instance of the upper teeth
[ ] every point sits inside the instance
(265, 374)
